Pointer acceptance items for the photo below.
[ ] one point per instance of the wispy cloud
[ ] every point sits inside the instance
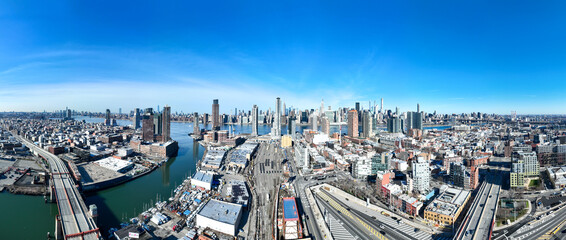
(23, 67)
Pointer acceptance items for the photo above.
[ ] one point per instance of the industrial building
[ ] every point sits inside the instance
(238, 191)
(203, 180)
(242, 154)
(213, 158)
(220, 216)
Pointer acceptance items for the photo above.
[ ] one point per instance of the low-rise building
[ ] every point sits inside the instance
(202, 179)
(213, 158)
(115, 164)
(557, 176)
(220, 216)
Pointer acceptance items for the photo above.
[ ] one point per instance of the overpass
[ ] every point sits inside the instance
(74, 220)
(478, 223)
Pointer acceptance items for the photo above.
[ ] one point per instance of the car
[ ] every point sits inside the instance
(416, 229)
(381, 226)
(374, 217)
(394, 218)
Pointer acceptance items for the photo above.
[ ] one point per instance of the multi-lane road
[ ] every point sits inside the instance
(478, 223)
(76, 221)
(346, 219)
(550, 226)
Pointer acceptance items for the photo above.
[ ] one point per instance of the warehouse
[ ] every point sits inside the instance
(203, 180)
(220, 216)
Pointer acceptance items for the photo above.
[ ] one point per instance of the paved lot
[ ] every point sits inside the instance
(4, 164)
(31, 164)
(92, 173)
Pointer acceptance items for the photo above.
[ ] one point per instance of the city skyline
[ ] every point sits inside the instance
(452, 58)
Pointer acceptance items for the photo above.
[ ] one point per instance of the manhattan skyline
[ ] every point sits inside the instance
(450, 57)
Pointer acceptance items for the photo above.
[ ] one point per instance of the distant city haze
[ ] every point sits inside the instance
(492, 57)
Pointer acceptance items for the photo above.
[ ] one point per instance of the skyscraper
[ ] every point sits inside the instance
(415, 119)
(276, 129)
(367, 124)
(107, 121)
(215, 115)
(157, 124)
(314, 121)
(359, 110)
(196, 128)
(381, 107)
(321, 112)
(255, 118)
(137, 118)
(325, 128)
(166, 118)
(291, 126)
(394, 123)
(353, 124)
(147, 125)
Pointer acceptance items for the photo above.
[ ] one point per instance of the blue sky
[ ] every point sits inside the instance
(449, 56)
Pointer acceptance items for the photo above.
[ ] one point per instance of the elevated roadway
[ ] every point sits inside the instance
(74, 217)
(479, 221)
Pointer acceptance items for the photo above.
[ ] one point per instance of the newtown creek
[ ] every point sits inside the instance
(29, 217)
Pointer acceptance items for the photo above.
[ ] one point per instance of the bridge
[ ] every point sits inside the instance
(74, 220)
(479, 221)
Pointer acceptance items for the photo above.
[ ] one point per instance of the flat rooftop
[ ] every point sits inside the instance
(238, 157)
(221, 211)
(203, 176)
(213, 157)
(239, 192)
(290, 211)
(113, 163)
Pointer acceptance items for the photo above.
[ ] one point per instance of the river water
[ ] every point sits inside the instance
(28, 217)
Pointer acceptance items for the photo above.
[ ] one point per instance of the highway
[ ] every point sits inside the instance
(478, 223)
(394, 229)
(354, 224)
(549, 227)
(76, 221)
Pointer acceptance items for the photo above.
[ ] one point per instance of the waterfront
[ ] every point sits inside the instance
(120, 203)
